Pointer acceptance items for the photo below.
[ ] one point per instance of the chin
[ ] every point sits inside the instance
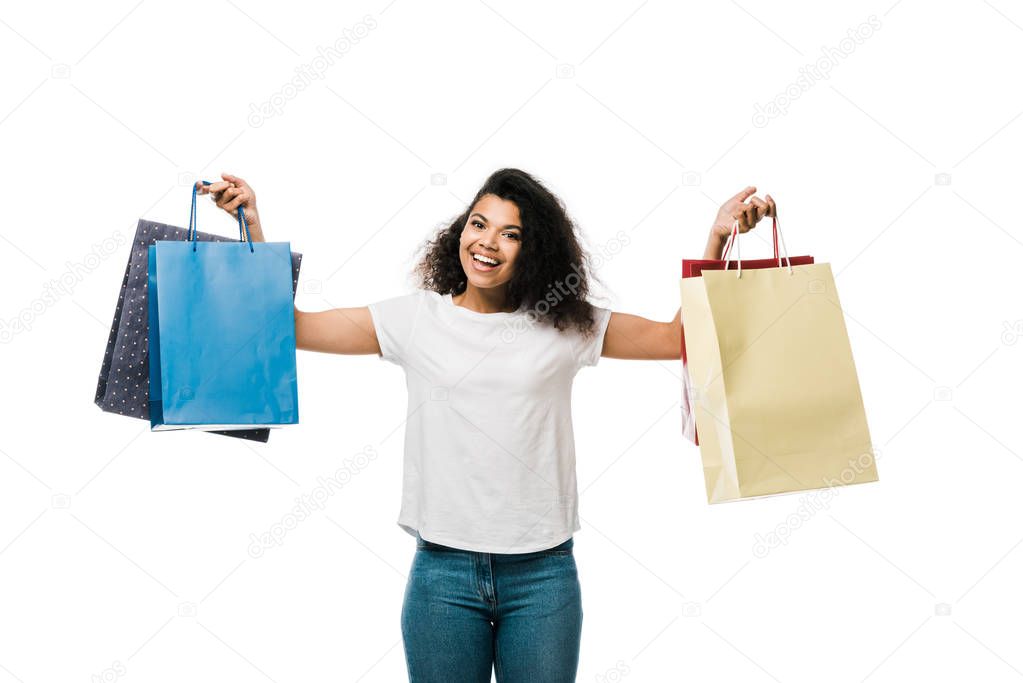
(484, 280)
(482, 283)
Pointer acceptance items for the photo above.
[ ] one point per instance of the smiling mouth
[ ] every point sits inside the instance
(480, 263)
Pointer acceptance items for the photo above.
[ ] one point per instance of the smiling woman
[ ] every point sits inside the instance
(489, 480)
(516, 222)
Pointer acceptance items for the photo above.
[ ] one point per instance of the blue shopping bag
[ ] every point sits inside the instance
(221, 333)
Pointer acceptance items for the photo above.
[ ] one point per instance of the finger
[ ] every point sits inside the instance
(741, 196)
(218, 186)
(774, 207)
(217, 194)
(227, 195)
(750, 216)
(236, 202)
(743, 221)
(233, 178)
(761, 205)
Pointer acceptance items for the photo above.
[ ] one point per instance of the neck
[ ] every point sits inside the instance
(489, 300)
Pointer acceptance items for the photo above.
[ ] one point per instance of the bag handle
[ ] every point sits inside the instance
(193, 223)
(774, 240)
(733, 238)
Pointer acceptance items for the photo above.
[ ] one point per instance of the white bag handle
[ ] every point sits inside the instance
(733, 237)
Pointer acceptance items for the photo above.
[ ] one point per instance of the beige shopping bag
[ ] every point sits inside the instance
(777, 400)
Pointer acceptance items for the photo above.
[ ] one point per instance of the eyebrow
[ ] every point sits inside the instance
(514, 227)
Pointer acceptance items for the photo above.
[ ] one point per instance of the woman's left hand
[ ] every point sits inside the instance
(748, 215)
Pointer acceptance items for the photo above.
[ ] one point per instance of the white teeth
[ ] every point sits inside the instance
(485, 259)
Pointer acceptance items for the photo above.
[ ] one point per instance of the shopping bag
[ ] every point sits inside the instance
(694, 268)
(776, 397)
(221, 334)
(123, 384)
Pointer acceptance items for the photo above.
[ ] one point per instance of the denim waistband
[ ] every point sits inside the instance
(565, 546)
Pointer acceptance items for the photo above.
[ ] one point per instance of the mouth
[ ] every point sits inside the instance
(483, 263)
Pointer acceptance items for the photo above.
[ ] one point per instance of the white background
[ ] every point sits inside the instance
(123, 553)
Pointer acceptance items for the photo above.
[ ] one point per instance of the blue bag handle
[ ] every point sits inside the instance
(193, 223)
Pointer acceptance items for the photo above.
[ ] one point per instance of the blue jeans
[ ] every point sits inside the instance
(466, 612)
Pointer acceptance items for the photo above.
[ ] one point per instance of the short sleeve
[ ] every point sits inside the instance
(394, 322)
(587, 349)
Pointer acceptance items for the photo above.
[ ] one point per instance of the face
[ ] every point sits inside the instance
(493, 232)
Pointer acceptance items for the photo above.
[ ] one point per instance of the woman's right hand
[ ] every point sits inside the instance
(229, 194)
(748, 215)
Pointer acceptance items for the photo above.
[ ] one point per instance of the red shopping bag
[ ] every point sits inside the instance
(694, 268)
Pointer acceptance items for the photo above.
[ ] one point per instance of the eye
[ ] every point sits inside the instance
(512, 235)
(476, 223)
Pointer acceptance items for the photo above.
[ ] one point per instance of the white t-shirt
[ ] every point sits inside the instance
(489, 450)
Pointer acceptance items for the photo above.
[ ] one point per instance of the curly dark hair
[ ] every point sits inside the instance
(550, 254)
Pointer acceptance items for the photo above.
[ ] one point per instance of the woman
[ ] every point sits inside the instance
(490, 345)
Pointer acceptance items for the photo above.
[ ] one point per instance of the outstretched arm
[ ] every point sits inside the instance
(632, 337)
(347, 331)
